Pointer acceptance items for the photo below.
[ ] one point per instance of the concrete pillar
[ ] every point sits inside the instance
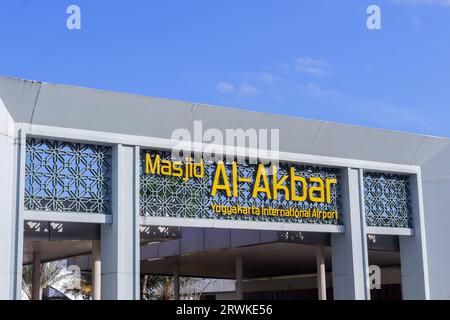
(321, 274)
(349, 254)
(36, 276)
(11, 200)
(239, 279)
(96, 270)
(176, 282)
(120, 239)
(413, 255)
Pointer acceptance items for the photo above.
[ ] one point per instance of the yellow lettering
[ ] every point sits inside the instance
(166, 167)
(328, 183)
(295, 179)
(177, 170)
(279, 184)
(320, 189)
(221, 173)
(234, 179)
(151, 166)
(199, 169)
(261, 174)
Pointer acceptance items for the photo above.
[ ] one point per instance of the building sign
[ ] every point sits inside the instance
(290, 193)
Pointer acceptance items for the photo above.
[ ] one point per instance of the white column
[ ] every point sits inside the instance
(176, 282)
(348, 249)
(11, 203)
(239, 279)
(96, 270)
(413, 253)
(36, 276)
(321, 275)
(120, 239)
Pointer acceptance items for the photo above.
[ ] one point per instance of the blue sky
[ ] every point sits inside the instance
(313, 59)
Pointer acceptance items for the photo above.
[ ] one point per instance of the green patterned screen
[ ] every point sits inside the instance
(69, 177)
(387, 200)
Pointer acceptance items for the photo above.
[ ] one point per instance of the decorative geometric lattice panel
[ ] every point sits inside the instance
(169, 196)
(71, 177)
(387, 201)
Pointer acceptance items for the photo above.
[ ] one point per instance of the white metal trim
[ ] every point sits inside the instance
(67, 216)
(390, 231)
(363, 227)
(136, 231)
(20, 215)
(249, 225)
(422, 233)
(99, 137)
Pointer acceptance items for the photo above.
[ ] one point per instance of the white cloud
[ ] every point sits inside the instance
(315, 90)
(245, 89)
(267, 77)
(424, 2)
(225, 87)
(311, 66)
(248, 90)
